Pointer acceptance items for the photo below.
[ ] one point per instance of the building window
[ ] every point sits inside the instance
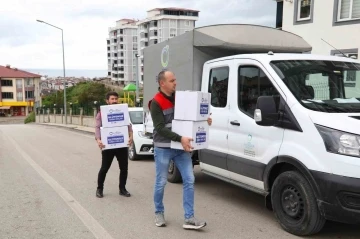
(29, 94)
(172, 32)
(172, 23)
(29, 82)
(279, 14)
(19, 84)
(354, 53)
(19, 96)
(7, 95)
(218, 86)
(348, 10)
(304, 10)
(135, 39)
(187, 23)
(6, 83)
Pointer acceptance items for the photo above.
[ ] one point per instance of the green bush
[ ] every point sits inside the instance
(30, 118)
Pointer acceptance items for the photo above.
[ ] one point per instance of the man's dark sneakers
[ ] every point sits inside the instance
(99, 193)
(124, 192)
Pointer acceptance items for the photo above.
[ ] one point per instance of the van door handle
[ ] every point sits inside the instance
(235, 122)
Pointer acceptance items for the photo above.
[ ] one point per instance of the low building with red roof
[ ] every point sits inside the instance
(19, 91)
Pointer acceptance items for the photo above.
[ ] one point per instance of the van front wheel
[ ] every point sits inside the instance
(295, 205)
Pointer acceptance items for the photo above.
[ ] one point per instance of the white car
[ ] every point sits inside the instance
(142, 144)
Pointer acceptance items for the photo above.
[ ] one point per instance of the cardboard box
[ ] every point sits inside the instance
(192, 105)
(114, 115)
(197, 130)
(115, 137)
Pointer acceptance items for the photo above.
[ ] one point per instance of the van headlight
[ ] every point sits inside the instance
(340, 142)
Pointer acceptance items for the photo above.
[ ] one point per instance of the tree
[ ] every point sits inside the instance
(84, 93)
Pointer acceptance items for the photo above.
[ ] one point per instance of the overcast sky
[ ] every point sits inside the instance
(25, 43)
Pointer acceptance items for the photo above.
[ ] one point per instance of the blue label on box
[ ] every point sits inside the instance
(117, 139)
(204, 109)
(200, 137)
(115, 117)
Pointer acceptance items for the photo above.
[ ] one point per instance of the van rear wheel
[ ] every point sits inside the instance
(295, 205)
(174, 175)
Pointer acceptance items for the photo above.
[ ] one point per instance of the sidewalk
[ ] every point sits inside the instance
(71, 126)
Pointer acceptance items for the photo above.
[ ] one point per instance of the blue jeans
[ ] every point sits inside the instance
(183, 162)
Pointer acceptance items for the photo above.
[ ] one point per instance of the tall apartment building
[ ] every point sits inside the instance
(162, 24)
(19, 91)
(128, 39)
(122, 46)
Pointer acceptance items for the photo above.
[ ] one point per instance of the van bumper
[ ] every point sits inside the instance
(339, 197)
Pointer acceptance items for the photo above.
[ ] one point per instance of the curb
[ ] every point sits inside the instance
(71, 128)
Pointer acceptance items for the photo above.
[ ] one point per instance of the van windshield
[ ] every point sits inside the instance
(326, 86)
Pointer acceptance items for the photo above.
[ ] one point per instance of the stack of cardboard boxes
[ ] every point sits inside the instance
(190, 119)
(114, 130)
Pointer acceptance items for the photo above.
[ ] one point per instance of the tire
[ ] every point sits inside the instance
(174, 175)
(295, 206)
(132, 155)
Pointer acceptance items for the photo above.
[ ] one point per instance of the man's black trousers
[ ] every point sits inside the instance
(108, 155)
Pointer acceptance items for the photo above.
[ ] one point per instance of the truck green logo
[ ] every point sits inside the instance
(165, 56)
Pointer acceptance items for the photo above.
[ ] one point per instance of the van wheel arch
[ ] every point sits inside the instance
(281, 164)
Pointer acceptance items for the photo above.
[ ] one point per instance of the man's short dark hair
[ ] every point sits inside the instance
(111, 93)
(161, 75)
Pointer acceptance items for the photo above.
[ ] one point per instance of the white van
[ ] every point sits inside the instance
(286, 126)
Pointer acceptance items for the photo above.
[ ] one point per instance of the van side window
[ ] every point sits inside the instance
(218, 86)
(252, 83)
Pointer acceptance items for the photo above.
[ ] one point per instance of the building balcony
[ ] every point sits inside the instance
(154, 37)
(153, 28)
(144, 30)
(145, 39)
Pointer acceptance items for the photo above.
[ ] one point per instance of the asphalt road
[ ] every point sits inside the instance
(48, 182)
(12, 120)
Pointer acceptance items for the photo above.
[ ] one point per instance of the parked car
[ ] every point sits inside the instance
(142, 144)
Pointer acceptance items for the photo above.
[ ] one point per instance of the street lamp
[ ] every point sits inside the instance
(137, 77)
(62, 38)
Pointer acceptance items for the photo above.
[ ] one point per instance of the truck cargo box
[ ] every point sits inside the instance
(186, 54)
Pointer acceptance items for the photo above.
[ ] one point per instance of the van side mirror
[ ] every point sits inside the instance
(265, 113)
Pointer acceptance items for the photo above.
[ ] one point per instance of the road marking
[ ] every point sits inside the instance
(85, 217)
